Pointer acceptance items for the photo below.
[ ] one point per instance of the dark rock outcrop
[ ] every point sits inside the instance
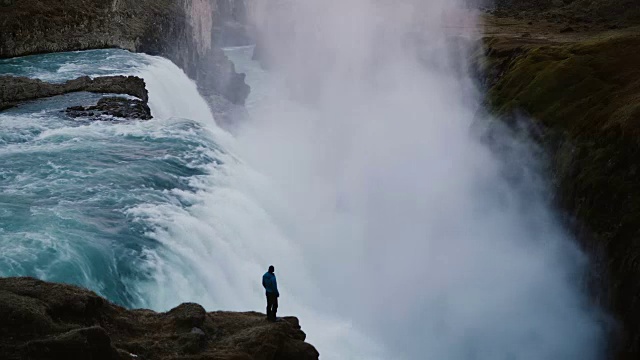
(180, 30)
(110, 107)
(43, 320)
(14, 90)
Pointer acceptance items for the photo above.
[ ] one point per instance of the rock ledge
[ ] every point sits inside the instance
(42, 320)
(14, 90)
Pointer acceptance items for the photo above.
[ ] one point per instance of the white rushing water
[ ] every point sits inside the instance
(173, 94)
(215, 251)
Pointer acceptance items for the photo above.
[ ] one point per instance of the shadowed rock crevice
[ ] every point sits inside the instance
(42, 320)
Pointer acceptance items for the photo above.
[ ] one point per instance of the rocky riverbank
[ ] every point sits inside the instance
(42, 320)
(183, 31)
(575, 79)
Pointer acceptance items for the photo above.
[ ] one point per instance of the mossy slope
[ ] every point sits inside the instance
(586, 94)
(612, 12)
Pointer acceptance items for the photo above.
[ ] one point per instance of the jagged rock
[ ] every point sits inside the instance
(41, 320)
(113, 107)
(14, 90)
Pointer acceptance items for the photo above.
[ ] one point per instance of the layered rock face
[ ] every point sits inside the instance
(180, 30)
(43, 320)
(581, 91)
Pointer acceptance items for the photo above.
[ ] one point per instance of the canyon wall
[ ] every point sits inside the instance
(576, 84)
(182, 30)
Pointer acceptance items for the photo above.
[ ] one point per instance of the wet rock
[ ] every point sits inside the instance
(42, 320)
(14, 90)
(110, 107)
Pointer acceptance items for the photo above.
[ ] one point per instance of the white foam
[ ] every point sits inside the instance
(173, 94)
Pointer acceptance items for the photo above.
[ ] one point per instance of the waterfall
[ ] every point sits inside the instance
(172, 93)
(396, 232)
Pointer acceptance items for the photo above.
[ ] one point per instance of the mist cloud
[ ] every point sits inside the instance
(407, 225)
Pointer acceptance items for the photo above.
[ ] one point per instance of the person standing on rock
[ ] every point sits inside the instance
(271, 287)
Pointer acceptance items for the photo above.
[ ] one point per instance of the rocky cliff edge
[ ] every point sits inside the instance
(42, 320)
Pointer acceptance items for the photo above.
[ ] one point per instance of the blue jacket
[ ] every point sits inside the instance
(269, 283)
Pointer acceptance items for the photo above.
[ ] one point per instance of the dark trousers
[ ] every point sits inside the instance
(272, 306)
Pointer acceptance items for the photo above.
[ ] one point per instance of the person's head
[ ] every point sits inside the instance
(271, 269)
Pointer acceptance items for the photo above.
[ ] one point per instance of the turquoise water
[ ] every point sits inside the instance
(68, 185)
(60, 67)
